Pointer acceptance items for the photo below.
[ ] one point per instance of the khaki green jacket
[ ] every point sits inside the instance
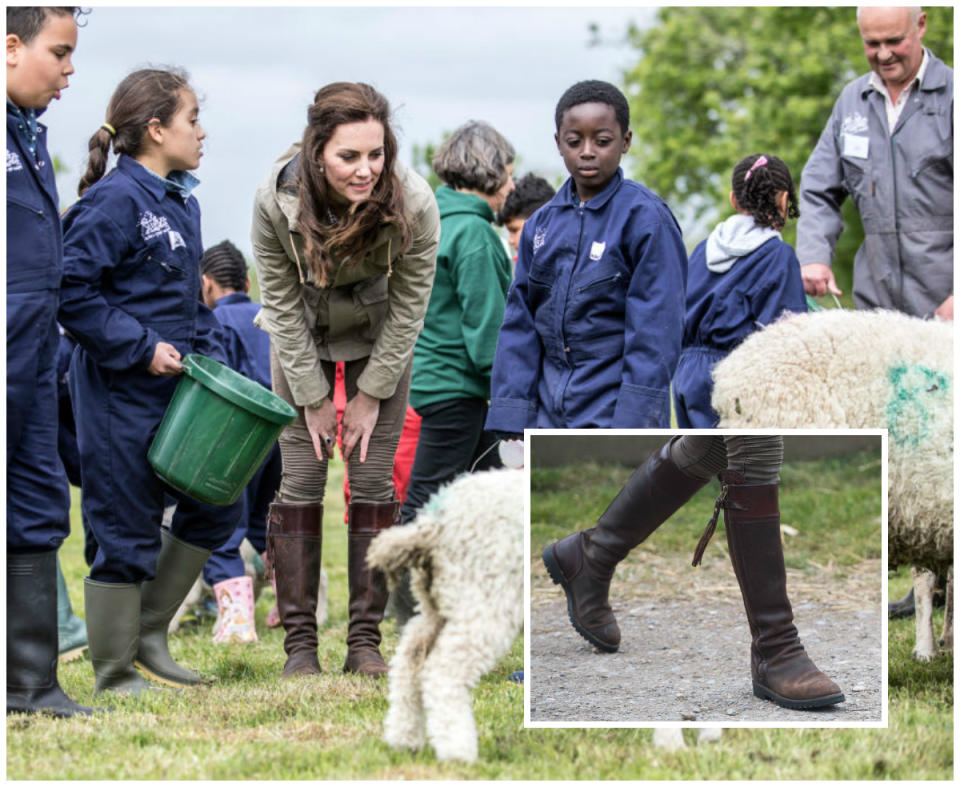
(374, 307)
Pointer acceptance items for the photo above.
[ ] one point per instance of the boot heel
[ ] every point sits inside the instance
(761, 692)
(553, 569)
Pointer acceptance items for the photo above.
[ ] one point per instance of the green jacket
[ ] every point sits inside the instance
(374, 308)
(454, 354)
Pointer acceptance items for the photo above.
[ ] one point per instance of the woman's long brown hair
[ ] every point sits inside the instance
(334, 105)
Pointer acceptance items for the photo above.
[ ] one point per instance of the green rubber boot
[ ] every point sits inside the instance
(178, 566)
(113, 627)
(71, 630)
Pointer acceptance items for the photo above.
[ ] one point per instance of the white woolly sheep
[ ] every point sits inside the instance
(465, 555)
(865, 369)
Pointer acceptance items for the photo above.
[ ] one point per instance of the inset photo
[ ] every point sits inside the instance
(717, 578)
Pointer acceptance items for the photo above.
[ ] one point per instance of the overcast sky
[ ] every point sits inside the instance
(256, 70)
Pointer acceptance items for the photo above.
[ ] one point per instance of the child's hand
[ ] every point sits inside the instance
(166, 360)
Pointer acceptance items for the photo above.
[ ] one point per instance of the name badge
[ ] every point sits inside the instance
(855, 146)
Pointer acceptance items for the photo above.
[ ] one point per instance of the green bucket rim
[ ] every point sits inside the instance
(193, 367)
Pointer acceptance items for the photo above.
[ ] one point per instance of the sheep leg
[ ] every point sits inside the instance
(924, 583)
(946, 638)
(668, 738)
(459, 658)
(403, 725)
(709, 734)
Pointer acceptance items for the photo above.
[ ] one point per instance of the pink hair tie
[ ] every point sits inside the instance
(758, 163)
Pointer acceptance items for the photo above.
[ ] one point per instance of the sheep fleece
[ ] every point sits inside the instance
(860, 370)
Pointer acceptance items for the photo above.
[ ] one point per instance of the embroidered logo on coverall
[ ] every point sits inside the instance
(539, 239)
(14, 164)
(596, 250)
(152, 226)
(854, 123)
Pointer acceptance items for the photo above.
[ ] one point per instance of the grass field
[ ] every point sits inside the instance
(251, 725)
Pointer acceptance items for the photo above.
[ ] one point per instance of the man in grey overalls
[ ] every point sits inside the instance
(889, 145)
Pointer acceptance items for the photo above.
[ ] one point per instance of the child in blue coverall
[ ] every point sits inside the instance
(40, 44)
(223, 272)
(591, 333)
(131, 298)
(741, 278)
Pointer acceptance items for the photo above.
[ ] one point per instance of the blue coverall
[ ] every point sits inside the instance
(591, 333)
(38, 497)
(132, 279)
(722, 310)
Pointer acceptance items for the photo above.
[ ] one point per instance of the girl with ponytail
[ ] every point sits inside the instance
(741, 278)
(130, 296)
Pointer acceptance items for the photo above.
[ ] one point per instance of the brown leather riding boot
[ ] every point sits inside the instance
(583, 563)
(294, 541)
(368, 588)
(782, 671)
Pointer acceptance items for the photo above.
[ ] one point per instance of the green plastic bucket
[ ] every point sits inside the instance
(218, 428)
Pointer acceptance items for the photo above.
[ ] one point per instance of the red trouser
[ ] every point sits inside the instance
(406, 448)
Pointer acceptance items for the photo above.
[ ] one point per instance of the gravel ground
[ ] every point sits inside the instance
(685, 648)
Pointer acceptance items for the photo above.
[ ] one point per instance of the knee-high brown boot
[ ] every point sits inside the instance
(294, 542)
(583, 563)
(782, 671)
(368, 588)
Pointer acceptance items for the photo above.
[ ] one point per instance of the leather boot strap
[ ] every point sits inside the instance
(755, 501)
(721, 503)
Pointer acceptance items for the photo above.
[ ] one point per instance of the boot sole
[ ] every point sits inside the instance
(71, 655)
(173, 684)
(553, 569)
(764, 693)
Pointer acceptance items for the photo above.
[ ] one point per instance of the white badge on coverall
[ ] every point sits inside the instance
(855, 146)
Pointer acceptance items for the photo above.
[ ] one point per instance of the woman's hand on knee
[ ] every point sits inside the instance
(359, 419)
(322, 426)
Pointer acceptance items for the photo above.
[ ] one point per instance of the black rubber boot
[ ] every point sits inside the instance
(583, 563)
(178, 566)
(781, 669)
(902, 608)
(32, 642)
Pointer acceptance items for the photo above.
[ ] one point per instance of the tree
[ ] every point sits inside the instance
(714, 84)
(422, 158)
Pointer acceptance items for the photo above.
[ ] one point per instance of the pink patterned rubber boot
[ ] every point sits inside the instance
(235, 624)
(273, 616)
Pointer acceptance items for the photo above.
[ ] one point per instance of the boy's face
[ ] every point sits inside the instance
(38, 71)
(514, 228)
(591, 143)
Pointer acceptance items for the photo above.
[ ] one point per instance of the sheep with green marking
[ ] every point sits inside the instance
(869, 370)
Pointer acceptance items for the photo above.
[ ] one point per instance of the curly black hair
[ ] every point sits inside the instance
(595, 91)
(530, 192)
(757, 180)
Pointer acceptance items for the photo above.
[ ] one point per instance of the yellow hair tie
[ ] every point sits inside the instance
(110, 129)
